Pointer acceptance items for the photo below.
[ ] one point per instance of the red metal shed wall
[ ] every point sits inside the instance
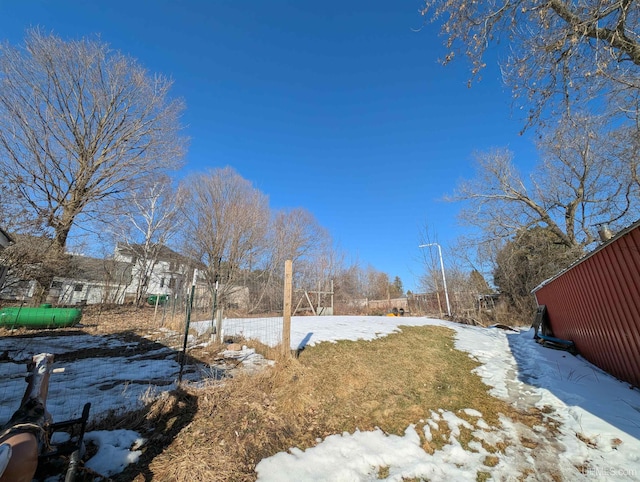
(596, 304)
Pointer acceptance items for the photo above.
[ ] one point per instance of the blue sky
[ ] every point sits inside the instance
(340, 108)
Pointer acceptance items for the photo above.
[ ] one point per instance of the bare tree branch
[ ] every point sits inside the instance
(80, 124)
(579, 184)
(560, 52)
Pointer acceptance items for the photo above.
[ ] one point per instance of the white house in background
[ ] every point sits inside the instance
(91, 281)
(169, 273)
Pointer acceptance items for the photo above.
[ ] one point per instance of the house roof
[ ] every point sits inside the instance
(96, 269)
(164, 253)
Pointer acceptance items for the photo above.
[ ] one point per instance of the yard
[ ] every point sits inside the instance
(363, 400)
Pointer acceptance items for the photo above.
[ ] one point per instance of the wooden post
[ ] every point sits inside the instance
(286, 315)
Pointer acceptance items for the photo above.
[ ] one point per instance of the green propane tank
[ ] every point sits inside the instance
(42, 317)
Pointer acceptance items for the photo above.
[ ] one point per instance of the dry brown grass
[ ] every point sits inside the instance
(388, 381)
(101, 320)
(333, 387)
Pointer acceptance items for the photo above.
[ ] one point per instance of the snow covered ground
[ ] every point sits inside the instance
(597, 416)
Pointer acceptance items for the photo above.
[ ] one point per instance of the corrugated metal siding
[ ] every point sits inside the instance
(596, 304)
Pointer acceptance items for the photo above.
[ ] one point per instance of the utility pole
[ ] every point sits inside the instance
(444, 280)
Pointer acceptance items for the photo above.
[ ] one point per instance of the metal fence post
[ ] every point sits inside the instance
(186, 328)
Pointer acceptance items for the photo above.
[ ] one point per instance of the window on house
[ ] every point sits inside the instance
(78, 287)
(161, 282)
(56, 284)
(172, 283)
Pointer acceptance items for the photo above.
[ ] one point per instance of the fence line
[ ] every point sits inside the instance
(272, 331)
(266, 330)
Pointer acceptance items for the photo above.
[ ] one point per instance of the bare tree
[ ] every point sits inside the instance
(226, 222)
(13, 216)
(80, 124)
(377, 284)
(579, 184)
(148, 225)
(299, 237)
(296, 235)
(354, 282)
(563, 58)
(319, 271)
(560, 51)
(350, 283)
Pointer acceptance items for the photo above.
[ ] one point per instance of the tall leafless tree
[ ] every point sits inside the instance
(575, 65)
(298, 236)
(226, 223)
(80, 124)
(377, 284)
(350, 283)
(579, 184)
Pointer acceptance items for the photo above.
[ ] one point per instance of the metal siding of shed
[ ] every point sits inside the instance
(631, 271)
(602, 276)
(631, 291)
(606, 273)
(596, 304)
(627, 304)
(598, 291)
